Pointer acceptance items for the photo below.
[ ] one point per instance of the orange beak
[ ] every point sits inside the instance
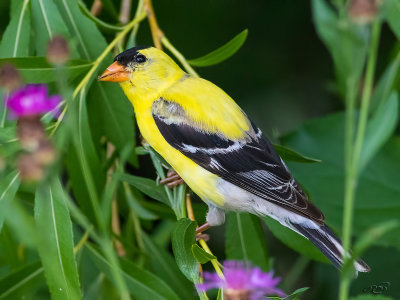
(115, 73)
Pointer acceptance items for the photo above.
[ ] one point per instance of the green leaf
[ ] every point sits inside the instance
(201, 255)
(21, 223)
(141, 283)
(47, 23)
(22, 282)
(38, 70)
(349, 58)
(83, 163)
(294, 240)
(105, 100)
(8, 187)
(16, 38)
(392, 12)
(56, 247)
(371, 235)
(386, 83)
(378, 191)
(146, 186)
(222, 53)
(244, 240)
(99, 22)
(164, 266)
(371, 297)
(292, 295)
(132, 197)
(291, 155)
(380, 128)
(115, 113)
(183, 237)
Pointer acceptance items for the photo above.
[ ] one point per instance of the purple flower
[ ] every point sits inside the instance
(32, 100)
(242, 281)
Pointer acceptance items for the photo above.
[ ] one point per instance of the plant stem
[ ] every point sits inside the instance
(179, 56)
(135, 29)
(96, 64)
(202, 242)
(298, 268)
(156, 32)
(214, 262)
(352, 172)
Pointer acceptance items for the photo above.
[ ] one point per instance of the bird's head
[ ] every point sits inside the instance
(145, 68)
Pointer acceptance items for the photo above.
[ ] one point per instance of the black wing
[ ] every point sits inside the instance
(251, 164)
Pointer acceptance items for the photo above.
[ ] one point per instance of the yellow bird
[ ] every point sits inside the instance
(214, 147)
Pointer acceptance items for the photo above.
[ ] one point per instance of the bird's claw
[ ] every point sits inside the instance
(172, 180)
(202, 236)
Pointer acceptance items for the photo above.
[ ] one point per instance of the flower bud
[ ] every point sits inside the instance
(58, 51)
(362, 11)
(45, 153)
(9, 77)
(29, 168)
(30, 132)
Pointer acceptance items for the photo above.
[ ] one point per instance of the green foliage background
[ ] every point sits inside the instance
(289, 76)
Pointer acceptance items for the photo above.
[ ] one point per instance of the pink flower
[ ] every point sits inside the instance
(243, 282)
(32, 100)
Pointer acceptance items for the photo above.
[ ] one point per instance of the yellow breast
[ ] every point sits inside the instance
(201, 181)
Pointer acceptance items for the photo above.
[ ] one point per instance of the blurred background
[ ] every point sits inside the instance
(281, 77)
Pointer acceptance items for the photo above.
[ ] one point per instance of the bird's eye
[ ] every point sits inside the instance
(140, 58)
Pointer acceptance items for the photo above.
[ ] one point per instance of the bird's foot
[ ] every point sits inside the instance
(199, 232)
(202, 236)
(202, 228)
(172, 180)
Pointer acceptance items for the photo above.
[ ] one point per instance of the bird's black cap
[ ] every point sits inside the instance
(127, 56)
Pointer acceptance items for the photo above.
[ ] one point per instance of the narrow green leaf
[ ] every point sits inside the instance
(294, 240)
(83, 162)
(47, 23)
(22, 282)
(133, 197)
(299, 291)
(392, 12)
(164, 266)
(141, 283)
(222, 53)
(105, 100)
(371, 297)
(115, 113)
(290, 155)
(8, 188)
(146, 186)
(386, 83)
(183, 237)
(220, 295)
(99, 22)
(21, 223)
(38, 70)
(201, 255)
(380, 128)
(292, 295)
(244, 240)
(350, 57)
(16, 38)
(56, 247)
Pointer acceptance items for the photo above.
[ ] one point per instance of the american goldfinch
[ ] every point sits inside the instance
(214, 147)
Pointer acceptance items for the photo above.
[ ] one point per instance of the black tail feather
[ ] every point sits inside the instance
(329, 244)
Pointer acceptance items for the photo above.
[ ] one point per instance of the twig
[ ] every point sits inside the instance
(156, 32)
(97, 5)
(96, 64)
(202, 242)
(179, 56)
(125, 11)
